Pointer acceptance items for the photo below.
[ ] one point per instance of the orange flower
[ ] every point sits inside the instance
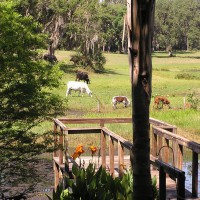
(123, 166)
(75, 155)
(93, 149)
(79, 150)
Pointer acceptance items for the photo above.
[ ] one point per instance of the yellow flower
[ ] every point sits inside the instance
(93, 149)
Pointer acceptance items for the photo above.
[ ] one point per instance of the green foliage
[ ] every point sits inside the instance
(186, 76)
(27, 96)
(155, 191)
(92, 62)
(177, 24)
(100, 185)
(193, 100)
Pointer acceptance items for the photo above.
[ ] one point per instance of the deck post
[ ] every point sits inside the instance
(103, 149)
(120, 159)
(162, 183)
(160, 144)
(180, 157)
(111, 154)
(56, 176)
(166, 150)
(60, 160)
(66, 163)
(55, 139)
(181, 186)
(175, 152)
(194, 174)
(154, 145)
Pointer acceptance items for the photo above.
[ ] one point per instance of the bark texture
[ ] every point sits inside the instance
(140, 18)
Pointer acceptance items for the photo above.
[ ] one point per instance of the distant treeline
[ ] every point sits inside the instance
(92, 24)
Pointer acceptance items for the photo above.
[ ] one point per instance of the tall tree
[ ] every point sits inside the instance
(177, 24)
(27, 97)
(140, 16)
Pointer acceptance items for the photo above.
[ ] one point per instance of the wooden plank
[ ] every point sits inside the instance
(55, 139)
(181, 186)
(125, 143)
(120, 159)
(173, 171)
(194, 174)
(156, 122)
(60, 154)
(94, 120)
(56, 176)
(103, 149)
(180, 156)
(159, 150)
(180, 140)
(111, 154)
(56, 160)
(83, 130)
(166, 150)
(60, 124)
(162, 183)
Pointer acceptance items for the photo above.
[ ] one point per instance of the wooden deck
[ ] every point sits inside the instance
(163, 137)
(171, 192)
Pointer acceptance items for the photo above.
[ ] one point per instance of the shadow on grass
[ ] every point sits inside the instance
(108, 71)
(68, 69)
(164, 54)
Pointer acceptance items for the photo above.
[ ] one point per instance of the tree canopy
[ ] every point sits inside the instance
(177, 24)
(26, 94)
(73, 24)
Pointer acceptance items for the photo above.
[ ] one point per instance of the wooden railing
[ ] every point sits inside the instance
(176, 174)
(163, 138)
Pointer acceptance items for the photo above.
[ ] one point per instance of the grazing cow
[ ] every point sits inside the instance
(120, 99)
(78, 86)
(160, 101)
(82, 76)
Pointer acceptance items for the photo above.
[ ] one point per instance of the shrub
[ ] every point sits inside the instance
(88, 184)
(186, 76)
(94, 62)
(193, 100)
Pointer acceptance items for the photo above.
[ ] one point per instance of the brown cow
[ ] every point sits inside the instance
(160, 101)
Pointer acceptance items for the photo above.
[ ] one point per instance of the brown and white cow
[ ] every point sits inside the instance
(120, 99)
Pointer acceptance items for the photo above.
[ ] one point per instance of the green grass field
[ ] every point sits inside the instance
(116, 81)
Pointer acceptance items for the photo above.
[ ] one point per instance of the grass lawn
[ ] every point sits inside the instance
(116, 81)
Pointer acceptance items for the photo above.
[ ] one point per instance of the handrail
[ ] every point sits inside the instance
(176, 174)
(194, 146)
(162, 138)
(125, 143)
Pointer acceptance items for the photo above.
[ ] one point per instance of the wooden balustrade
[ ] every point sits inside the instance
(163, 138)
(178, 142)
(176, 174)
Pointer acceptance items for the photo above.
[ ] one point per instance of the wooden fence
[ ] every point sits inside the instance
(163, 137)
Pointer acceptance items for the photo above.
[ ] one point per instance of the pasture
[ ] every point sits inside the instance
(115, 81)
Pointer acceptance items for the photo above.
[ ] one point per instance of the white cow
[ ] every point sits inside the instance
(78, 86)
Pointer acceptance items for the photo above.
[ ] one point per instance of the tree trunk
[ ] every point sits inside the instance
(140, 15)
